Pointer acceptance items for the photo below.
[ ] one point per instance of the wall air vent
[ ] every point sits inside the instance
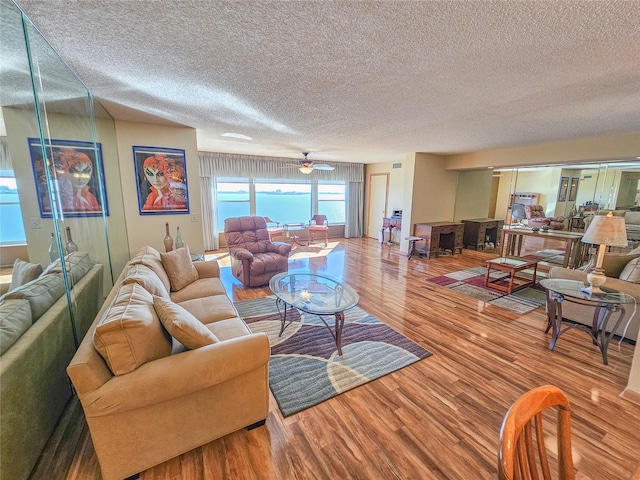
(397, 165)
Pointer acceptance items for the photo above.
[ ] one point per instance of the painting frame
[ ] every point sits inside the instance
(79, 195)
(161, 180)
(573, 188)
(564, 187)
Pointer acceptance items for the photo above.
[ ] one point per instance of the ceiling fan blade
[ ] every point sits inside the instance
(322, 166)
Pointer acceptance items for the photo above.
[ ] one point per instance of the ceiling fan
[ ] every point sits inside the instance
(307, 166)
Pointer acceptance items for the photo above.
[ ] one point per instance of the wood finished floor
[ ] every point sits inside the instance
(436, 419)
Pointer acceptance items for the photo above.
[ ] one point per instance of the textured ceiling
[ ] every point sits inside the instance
(357, 81)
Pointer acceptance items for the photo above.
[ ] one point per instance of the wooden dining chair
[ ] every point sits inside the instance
(319, 224)
(522, 453)
(274, 229)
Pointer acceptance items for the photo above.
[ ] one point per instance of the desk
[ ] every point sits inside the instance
(511, 243)
(439, 235)
(391, 223)
(477, 231)
(559, 290)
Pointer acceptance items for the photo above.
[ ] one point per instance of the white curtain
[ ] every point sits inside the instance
(216, 164)
(5, 156)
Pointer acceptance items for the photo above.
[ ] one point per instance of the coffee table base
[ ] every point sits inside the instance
(336, 333)
(511, 269)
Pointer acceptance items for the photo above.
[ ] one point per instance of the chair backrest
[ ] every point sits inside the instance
(319, 220)
(534, 211)
(247, 232)
(517, 211)
(518, 456)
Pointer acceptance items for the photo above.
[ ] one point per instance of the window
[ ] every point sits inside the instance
(284, 202)
(331, 201)
(12, 226)
(233, 198)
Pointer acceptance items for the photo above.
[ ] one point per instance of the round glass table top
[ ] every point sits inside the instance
(577, 289)
(312, 293)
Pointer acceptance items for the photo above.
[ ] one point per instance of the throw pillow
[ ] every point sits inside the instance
(77, 265)
(15, 319)
(23, 272)
(129, 333)
(613, 264)
(41, 293)
(631, 272)
(145, 277)
(183, 326)
(179, 268)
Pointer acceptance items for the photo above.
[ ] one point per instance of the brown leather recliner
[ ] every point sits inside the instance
(254, 257)
(536, 218)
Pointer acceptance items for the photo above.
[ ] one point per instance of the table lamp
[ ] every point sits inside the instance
(517, 212)
(603, 231)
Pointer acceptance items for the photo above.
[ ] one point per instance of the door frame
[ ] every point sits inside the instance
(386, 197)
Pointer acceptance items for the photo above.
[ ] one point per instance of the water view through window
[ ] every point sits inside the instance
(281, 202)
(12, 231)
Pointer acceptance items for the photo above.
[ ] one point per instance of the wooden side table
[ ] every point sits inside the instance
(512, 266)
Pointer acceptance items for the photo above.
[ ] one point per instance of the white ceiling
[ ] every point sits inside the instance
(363, 81)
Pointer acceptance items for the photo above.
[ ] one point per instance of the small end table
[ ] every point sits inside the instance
(512, 266)
(292, 230)
(605, 305)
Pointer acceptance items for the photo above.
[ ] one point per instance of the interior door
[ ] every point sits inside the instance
(378, 196)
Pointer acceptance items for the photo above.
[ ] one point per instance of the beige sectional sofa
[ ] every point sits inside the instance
(37, 345)
(623, 274)
(149, 396)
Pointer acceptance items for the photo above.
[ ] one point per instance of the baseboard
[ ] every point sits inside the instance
(633, 397)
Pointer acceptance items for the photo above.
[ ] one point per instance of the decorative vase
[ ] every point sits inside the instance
(168, 240)
(71, 246)
(54, 254)
(179, 242)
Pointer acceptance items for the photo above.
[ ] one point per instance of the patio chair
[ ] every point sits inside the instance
(319, 224)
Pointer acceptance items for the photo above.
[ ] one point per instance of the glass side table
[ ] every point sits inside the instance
(605, 305)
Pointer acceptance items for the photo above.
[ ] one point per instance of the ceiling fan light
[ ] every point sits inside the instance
(305, 170)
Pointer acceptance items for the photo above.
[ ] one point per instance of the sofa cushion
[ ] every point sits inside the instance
(182, 326)
(179, 268)
(203, 287)
(77, 265)
(229, 328)
(41, 293)
(631, 218)
(146, 278)
(15, 319)
(613, 264)
(155, 264)
(210, 309)
(148, 250)
(631, 272)
(129, 334)
(24, 272)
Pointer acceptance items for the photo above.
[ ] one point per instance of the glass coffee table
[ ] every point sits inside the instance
(605, 305)
(315, 294)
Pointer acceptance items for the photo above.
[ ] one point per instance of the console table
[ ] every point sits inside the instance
(391, 223)
(511, 243)
(477, 231)
(440, 235)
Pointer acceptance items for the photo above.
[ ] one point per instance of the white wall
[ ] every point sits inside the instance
(150, 229)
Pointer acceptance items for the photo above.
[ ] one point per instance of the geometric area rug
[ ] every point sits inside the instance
(305, 368)
(471, 282)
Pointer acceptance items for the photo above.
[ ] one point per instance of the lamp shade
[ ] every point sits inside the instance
(305, 170)
(606, 230)
(517, 211)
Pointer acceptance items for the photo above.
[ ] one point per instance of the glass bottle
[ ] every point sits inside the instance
(54, 254)
(168, 240)
(71, 246)
(179, 242)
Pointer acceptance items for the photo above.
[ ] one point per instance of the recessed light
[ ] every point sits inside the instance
(236, 135)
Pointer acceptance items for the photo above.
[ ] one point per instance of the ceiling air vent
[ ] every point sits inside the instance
(397, 165)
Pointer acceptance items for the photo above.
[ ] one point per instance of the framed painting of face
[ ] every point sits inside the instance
(161, 180)
(72, 171)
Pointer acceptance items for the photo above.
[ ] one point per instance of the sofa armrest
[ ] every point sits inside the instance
(241, 254)
(279, 247)
(208, 269)
(178, 375)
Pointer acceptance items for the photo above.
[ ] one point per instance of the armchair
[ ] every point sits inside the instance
(274, 229)
(536, 218)
(254, 257)
(319, 224)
